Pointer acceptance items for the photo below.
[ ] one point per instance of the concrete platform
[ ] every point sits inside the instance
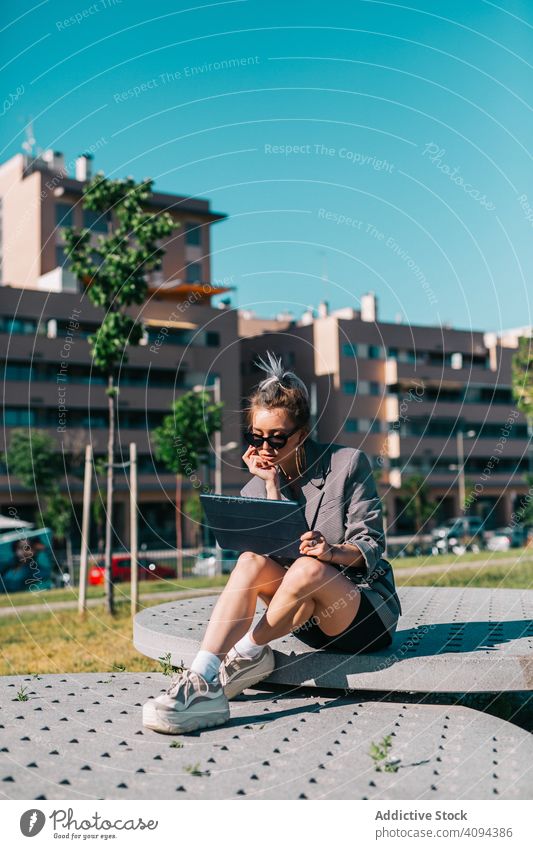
(449, 640)
(81, 737)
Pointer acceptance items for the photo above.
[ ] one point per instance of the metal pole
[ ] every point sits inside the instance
(134, 552)
(218, 442)
(218, 470)
(461, 468)
(530, 443)
(313, 403)
(85, 527)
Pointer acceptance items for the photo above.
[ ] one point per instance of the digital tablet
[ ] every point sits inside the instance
(263, 525)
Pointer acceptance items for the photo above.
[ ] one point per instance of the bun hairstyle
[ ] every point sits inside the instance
(280, 388)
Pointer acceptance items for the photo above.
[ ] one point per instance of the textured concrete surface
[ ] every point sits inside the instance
(81, 737)
(448, 640)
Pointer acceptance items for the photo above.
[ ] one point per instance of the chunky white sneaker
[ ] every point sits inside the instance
(238, 672)
(189, 703)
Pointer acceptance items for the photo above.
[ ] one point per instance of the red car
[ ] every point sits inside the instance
(121, 570)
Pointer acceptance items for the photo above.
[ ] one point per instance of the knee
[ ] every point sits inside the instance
(249, 564)
(305, 573)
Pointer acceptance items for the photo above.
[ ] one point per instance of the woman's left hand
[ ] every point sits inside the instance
(314, 544)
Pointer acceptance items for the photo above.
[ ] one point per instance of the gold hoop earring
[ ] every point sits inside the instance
(300, 460)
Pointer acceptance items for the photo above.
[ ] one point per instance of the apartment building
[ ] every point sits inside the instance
(408, 395)
(46, 317)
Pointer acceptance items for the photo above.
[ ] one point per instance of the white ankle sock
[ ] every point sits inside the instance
(247, 647)
(206, 664)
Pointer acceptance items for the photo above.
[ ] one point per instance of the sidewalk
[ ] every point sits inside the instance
(407, 571)
(94, 602)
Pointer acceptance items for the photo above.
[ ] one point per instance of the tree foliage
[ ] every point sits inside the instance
(522, 376)
(182, 442)
(114, 266)
(33, 458)
(183, 439)
(414, 497)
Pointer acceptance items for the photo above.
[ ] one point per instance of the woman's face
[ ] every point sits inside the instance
(271, 422)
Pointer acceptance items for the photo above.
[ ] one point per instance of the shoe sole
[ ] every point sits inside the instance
(153, 720)
(238, 685)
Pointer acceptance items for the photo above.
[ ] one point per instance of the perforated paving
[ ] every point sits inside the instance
(449, 639)
(81, 737)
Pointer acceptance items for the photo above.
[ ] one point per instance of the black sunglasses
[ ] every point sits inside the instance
(277, 441)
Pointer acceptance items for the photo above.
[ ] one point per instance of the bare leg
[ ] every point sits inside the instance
(254, 575)
(327, 594)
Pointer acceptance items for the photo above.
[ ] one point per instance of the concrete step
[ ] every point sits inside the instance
(449, 639)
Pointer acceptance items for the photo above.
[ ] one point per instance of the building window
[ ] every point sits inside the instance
(351, 425)
(374, 352)
(194, 272)
(95, 221)
(174, 336)
(407, 357)
(375, 426)
(374, 388)
(18, 416)
(16, 371)
(212, 339)
(61, 257)
(393, 353)
(193, 233)
(64, 214)
(349, 350)
(349, 387)
(17, 326)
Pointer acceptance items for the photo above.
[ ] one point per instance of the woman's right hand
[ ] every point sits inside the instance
(264, 469)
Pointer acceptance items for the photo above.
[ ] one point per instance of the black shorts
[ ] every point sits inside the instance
(366, 633)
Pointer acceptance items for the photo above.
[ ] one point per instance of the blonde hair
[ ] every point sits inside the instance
(280, 388)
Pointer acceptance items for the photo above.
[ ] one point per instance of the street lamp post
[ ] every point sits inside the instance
(461, 463)
(219, 450)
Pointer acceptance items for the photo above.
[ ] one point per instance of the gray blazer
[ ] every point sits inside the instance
(341, 500)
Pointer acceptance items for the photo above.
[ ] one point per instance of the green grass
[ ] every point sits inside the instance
(122, 591)
(455, 559)
(506, 576)
(61, 641)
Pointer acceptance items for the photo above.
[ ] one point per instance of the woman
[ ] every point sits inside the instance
(338, 595)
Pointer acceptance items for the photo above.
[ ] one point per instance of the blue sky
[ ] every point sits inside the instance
(382, 146)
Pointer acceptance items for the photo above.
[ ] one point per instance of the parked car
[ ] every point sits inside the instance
(463, 533)
(121, 569)
(502, 539)
(206, 565)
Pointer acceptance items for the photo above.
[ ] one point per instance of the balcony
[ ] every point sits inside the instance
(58, 280)
(423, 372)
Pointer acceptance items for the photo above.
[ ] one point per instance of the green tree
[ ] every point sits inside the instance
(114, 268)
(182, 442)
(415, 502)
(522, 387)
(32, 456)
